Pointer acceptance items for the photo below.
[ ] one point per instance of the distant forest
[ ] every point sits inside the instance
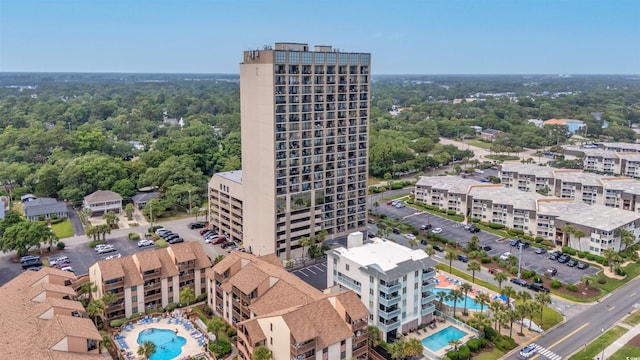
(67, 135)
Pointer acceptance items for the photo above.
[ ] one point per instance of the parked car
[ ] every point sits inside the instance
(486, 248)
(143, 243)
(28, 258)
(396, 231)
(425, 226)
(161, 230)
(409, 236)
(537, 287)
(227, 244)
(436, 230)
(505, 256)
(204, 231)
(474, 229)
(212, 238)
(175, 240)
(67, 268)
(106, 249)
(564, 258)
(29, 263)
(400, 205)
(463, 258)
(115, 256)
(493, 271)
(219, 240)
(525, 244)
(583, 266)
(196, 225)
(552, 271)
(528, 351)
(171, 237)
(389, 202)
(572, 263)
(517, 281)
(541, 250)
(438, 248)
(555, 255)
(515, 242)
(60, 260)
(167, 234)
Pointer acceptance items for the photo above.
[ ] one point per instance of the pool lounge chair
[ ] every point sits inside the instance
(158, 319)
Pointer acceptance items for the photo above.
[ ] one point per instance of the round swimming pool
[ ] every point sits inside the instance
(168, 344)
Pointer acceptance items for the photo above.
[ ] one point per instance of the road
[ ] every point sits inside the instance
(480, 153)
(586, 326)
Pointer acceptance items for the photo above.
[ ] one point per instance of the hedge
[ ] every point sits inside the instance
(201, 297)
(222, 347)
(134, 236)
(496, 226)
(117, 322)
(568, 250)
(556, 284)
(60, 245)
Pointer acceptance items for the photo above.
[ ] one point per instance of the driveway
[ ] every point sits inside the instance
(76, 223)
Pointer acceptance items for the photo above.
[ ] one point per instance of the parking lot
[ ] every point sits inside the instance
(314, 275)
(455, 231)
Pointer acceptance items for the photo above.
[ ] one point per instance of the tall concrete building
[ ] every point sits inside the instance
(305, 137)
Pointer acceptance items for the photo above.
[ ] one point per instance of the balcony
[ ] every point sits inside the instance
(389, 325)
(428, 297)
(428, 274)
(389, 287)
(301, 348)
(389, 313)
(389, 300)
(428, 286)
(427, 309)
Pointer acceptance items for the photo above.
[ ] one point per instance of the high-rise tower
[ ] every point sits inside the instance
(305, 137)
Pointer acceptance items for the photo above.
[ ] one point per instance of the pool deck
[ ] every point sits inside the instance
(451, 282)
(426, 332)
(190, 348)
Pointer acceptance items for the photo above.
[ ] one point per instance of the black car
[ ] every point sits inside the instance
(583, 266)
(518, 281)
(396, 231)
(438, 248)
(515, 242)
(425, 227)
(537, 287)
(525, 244)
(167, 235)
(171, 237)
(227, 244)
(463, 258)
(564, 258)
(473, 229)
(196, 225)
(370, 235)
(31, 263)
(572, 263)
(486, 248)
(555, 255)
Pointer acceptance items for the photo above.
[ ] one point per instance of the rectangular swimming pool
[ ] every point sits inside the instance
(441, 339)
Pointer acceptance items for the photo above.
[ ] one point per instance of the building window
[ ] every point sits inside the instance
(342, 59)
(294, 57)
(346, 267)
(281, 57)
(325, 350)
(134, 299)
(271, 327)
(343, 355)
(170, 299)
(343, 342)
(270, 341)
(318, 58)
(364, 59)
(331, 58)
(370, 279)
(134, 288)
(134, 310)
(306, 58)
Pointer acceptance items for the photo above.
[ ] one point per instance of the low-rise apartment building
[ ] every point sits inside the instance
(273, 308)
(150, 279)
(546, 216)
(609, 158)
(225, 203)
(526, 177)
(395, 282)
(40, 319)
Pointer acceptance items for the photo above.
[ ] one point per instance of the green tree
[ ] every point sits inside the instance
(455, 295)
(465, 288)
(413, 348)
(588, 280)
(522, 311)
(482, 299)
(450, 255)
(374, 335)
(111, 218)
(187, 296)
(128, 210)
(610, 254)
(542, 299)
(88, 173)
(474, 244)
(304, 242)
(474, 267)
(455, 343)
(627, 238)
(500, 277)
(396, 349)
(22, 236)
(413, 243)
(509, 292)
(214, 325)
(441, 295)
(429, 250)
(262, 353)
(95, 308)
(147, 349)
(125, 187)
(218, 259)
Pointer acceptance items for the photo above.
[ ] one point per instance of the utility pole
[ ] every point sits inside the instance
(520, 246)
(189, 201)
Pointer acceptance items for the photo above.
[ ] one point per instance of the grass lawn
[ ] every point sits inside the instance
(479, 143)
(63, 229)
(632, 270)
(625, 353)
(595, 348)
(493, 355)
(633, 319)
(17, 207)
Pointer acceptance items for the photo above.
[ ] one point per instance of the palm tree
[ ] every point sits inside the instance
(610, 254)
(376, 205)
(450, 255)
(474, 243)
(474, 267)
(396, 350)
(441, 296)
(374, 335)
(532, 307)
(187, 296)
(495, 307)
(568, 230)
(588, 280)
(482, 299)
(413, 347)
(429, 250)
(512, 315)
(522, 310)
(214, 326)
(502, 317)
(147, 349)
(304, 242)
(627, 238)
(509, 292)
(455, 343)
(579, 234)
(523, 295)
(262, 353)
(455, 295)
(95, 308)
(499, 277)
(465, 287)
(480, 321)
(111, 218)
(542, 299)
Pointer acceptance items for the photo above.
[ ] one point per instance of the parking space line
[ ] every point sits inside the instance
(300, 272)
(317, 268)
(311, 271)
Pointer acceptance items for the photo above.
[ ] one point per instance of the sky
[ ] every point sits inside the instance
(404, 37)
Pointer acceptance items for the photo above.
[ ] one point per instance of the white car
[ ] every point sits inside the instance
(106, 249)
(505, 256)
(161, 231)
(410, 236)
(528, 351)
(67, 268)
(116, 256)
(142, 243)
(436, 231)
(99, 247)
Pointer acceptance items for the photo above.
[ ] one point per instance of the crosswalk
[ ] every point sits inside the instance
(546, 353)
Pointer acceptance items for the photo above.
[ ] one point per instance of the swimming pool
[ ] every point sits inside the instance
(441, 339)
(460, 304)
(168, 344)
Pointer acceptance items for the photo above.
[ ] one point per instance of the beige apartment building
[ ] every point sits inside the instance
(151, 278)
(539, 215)
(305, 136)
(40, 319)
(273, 308)
(609, 158)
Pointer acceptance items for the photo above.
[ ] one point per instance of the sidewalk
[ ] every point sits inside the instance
(622, 341)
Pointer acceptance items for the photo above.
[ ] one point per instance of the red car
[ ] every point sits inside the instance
(204, 231)
(220, 240)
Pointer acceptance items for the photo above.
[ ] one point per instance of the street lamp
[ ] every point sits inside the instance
(603, 345)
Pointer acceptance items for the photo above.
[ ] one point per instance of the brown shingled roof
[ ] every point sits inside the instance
(102, 196)
(317, 320)
(111, 269)
(148, 260)
(353, 305)
(247, 279)
(272, 259)
(254, 330)
(280, 296)
(79, 327)
(182, 252)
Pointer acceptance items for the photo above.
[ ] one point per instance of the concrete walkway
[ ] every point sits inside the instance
(622, 341)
